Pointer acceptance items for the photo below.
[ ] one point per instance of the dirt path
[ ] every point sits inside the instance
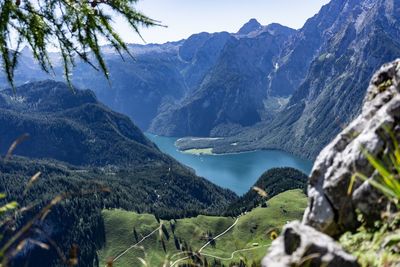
(200, 250)
(233, 253)
(205, 245)
(218, 236)
(133, 246)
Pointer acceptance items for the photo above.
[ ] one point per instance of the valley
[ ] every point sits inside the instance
(98, 159)
(77, 145)
(200, 151)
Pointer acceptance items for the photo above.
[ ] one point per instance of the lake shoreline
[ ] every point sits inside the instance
(239, 152)
(222, 146)
(237, 171)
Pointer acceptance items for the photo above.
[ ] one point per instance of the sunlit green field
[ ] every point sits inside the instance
(252, 231)
(199, 151)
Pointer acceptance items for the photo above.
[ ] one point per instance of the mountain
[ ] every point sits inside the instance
(163, 77)
(156, 78)
(232, 92)
(251, 26)
(138, 86)
(326, 65)
(75, 128)
(71, 126)
(360, 36)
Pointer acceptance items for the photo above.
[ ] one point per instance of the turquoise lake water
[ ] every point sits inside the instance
(237, 172)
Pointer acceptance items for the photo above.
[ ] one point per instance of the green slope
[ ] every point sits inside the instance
(253, 227)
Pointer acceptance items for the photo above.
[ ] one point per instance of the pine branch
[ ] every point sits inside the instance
(73, 26)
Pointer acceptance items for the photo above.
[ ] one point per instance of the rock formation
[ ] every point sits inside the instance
(303, 244)
(331, 209)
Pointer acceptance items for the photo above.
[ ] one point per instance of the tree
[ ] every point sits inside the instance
(177, 243)
(72, 26)
(135, 234)
(165, 231)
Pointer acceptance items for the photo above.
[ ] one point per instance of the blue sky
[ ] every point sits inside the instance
(185, 17)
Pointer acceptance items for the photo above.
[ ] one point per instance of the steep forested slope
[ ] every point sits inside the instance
(71, 126)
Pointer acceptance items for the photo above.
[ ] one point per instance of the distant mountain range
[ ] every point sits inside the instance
(233, 91)
(262, 87)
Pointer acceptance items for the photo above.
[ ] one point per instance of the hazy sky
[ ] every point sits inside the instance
(185, 17)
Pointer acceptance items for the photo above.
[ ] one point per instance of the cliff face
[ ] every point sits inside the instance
(334, 208)
(355, 38)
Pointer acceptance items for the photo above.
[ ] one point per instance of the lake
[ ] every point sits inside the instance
(237, 172)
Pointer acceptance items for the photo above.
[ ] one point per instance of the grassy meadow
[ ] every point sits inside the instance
(252, 231)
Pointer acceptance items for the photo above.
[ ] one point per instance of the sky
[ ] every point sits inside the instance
(186, 17)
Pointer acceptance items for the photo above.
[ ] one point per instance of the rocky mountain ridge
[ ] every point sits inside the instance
(326, 64)
(160, 76)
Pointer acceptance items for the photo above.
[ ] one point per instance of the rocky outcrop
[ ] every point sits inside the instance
(301, 245)
(332, 208)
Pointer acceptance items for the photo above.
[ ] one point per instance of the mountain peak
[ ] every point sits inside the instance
(26, 51)
(249, 27)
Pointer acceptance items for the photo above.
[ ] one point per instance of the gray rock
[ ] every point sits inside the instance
(301, 245)
(331, 209)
